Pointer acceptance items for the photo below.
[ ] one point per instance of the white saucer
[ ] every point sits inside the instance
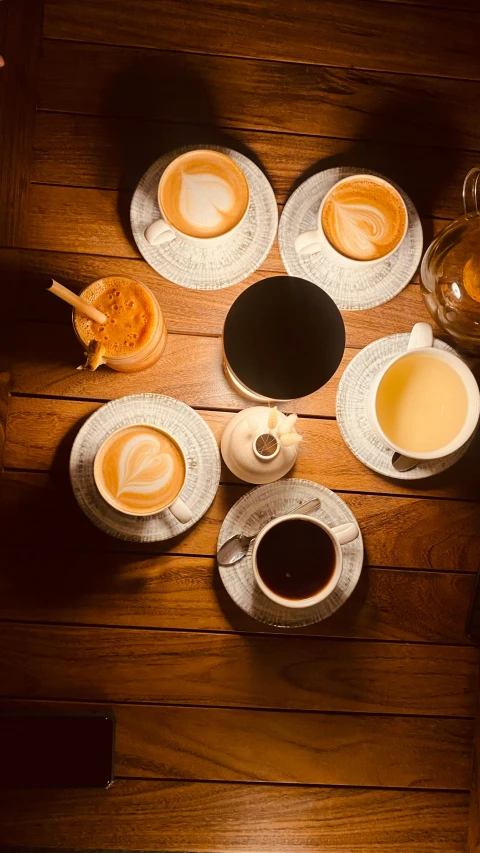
(350, 289)
(192, 434)
(352, 411)
(219, 266)
(250, 514)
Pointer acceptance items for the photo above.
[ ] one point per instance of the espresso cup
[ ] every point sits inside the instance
(294, 554)
(373, 220)
(140, 470)
(425, 404)
(203, 197)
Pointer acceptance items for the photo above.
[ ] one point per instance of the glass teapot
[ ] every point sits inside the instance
(450, 271)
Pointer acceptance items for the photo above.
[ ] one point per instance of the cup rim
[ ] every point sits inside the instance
(376, 179)
(192, 237)
(300, 602)
(473, 404)
(123, 359)
(96, 462)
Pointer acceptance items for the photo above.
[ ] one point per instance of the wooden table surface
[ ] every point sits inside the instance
(357, 735)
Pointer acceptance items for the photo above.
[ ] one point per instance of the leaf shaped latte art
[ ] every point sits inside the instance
(142, 468)
(362, 229)
(205, 199)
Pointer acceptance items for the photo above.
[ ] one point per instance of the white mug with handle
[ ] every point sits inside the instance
(311, 242)
(162, 230)
(340, 535)
(422, 341)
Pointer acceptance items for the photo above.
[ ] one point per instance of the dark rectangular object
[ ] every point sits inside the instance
(46, 750)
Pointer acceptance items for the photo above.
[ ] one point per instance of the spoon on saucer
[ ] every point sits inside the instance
(403, 463)
(237, 546)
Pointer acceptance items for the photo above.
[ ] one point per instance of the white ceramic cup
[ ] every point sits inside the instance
(340, 535)
(177, 507)
(316, 241)
(421, 340)
(162, 230)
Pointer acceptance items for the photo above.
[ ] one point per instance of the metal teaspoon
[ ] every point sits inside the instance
(237, 546)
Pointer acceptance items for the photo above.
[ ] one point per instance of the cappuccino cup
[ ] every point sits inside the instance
(425, 404)
(203, 197)
(361, 221)
(297, 559)
(140, 470)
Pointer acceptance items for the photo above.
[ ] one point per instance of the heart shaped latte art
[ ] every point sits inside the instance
(205, 199)
(142, 468)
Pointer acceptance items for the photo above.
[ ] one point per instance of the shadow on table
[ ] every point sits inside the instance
(423, 172)
(156, 86)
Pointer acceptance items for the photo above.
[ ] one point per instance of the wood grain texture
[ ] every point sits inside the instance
(189, 369)
(474, 815)
(93, 221)
(9, 280)
(346, 33)
(22, 29)
(220, 91)
(41, 433)
(190, 311)
(297, 673)
(113, 154)
(414, 533)
(220, 818)
(176, 592)
(220, 744)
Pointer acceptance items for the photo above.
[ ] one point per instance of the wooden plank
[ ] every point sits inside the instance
(94, 80)
(110, 153)
(191, 311)
(338, 33)
(22, 30)
(219, 744)
(190, 369)
(297, 673)
(413, 533)
(92, 221)
(474, 816)
(41, 432)
(9, 281)
(233, 818)
(174, 592)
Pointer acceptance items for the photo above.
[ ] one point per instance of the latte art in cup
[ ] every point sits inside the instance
(203, 194)
(139, 470)
(364, 218)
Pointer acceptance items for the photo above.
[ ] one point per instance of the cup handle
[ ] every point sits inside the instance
(180, 511)
(420, 336)
(471, 191)
(159, 232)
(345, 533)
(307, 243)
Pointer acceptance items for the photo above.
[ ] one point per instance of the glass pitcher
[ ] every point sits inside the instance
(450, 271)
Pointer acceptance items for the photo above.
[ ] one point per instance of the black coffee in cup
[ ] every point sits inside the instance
(296, 559)
(283, 338)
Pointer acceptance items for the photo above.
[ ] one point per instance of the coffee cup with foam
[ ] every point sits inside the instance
(362, 220)
(140, 470)
(203, 196)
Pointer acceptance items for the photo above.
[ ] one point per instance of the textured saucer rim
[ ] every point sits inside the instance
(383, 269)
(160, 526)
(353, 554)
(263, 194)
(425, 468)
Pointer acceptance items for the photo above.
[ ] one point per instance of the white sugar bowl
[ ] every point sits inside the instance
(259, 444)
